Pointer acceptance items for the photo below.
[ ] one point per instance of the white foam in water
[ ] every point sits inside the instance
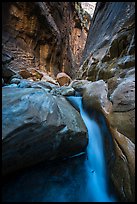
(97, 181)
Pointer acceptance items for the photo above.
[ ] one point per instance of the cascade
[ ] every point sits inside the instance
(97, 182)
(81, 178)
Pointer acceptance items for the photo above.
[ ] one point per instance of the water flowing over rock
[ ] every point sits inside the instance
(79, 174)
(45, 58)
(38, 126)
(109, 55)
(120, 117)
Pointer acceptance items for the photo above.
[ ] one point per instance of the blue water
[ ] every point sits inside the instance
(82, 178)
(97, 179)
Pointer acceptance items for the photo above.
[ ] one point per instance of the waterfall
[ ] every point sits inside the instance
(81, 178)
(96, 188)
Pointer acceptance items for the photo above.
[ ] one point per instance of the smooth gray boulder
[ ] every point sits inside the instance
(38, 126)
(122, 116)
(95, 96)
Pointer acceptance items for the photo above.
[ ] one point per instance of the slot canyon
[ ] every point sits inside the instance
(68, 101)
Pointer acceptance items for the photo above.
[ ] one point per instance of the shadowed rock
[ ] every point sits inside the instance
(38, 126)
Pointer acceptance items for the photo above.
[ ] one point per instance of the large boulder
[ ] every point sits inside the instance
(38, 126)
(7, 73)
(63, 90)
(31, 73)
(48, 78)
(79, 85)
(95, 96)
(119, 112)
(63, 79)
(123, 167)
(25, 73)
(24, 83)
(122, 115)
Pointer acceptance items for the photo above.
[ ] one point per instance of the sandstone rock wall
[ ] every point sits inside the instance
(48, 36)
(110, 45)
(109, 55)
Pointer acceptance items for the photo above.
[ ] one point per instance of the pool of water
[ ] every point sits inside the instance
(81, 178)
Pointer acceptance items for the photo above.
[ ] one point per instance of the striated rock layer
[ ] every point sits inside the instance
(111, 21)
(109, 63)
(110, 46)
(49, 36)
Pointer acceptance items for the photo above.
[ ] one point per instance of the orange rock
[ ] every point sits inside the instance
(25, 73)
(63, 79)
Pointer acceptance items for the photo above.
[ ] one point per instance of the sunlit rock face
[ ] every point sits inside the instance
(38, 126)
(48, 36)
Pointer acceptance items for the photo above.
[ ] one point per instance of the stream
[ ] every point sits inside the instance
(96, 170)
(81, 178)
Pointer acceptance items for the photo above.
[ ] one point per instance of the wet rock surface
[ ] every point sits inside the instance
(109, 55)
(56, 181)
(124, 162)
(95, 96)
(44, 39)
(119, 111)
(122, 115)
(38, 126)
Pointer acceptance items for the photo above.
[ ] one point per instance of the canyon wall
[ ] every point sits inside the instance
(47, 36)
(109, 56)
(50, 37)
(111, 37)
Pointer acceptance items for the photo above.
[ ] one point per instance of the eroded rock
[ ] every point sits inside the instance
(95, 96)
(64, 91)
(122, 115)
(63, 79)
(49, 36)
(49, 79)
(79, 85)
(15, 81)
(110, 46)
(124, 182)
(6, 58)
(38, 126)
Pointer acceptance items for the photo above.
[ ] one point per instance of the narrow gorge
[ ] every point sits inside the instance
(68, 101)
